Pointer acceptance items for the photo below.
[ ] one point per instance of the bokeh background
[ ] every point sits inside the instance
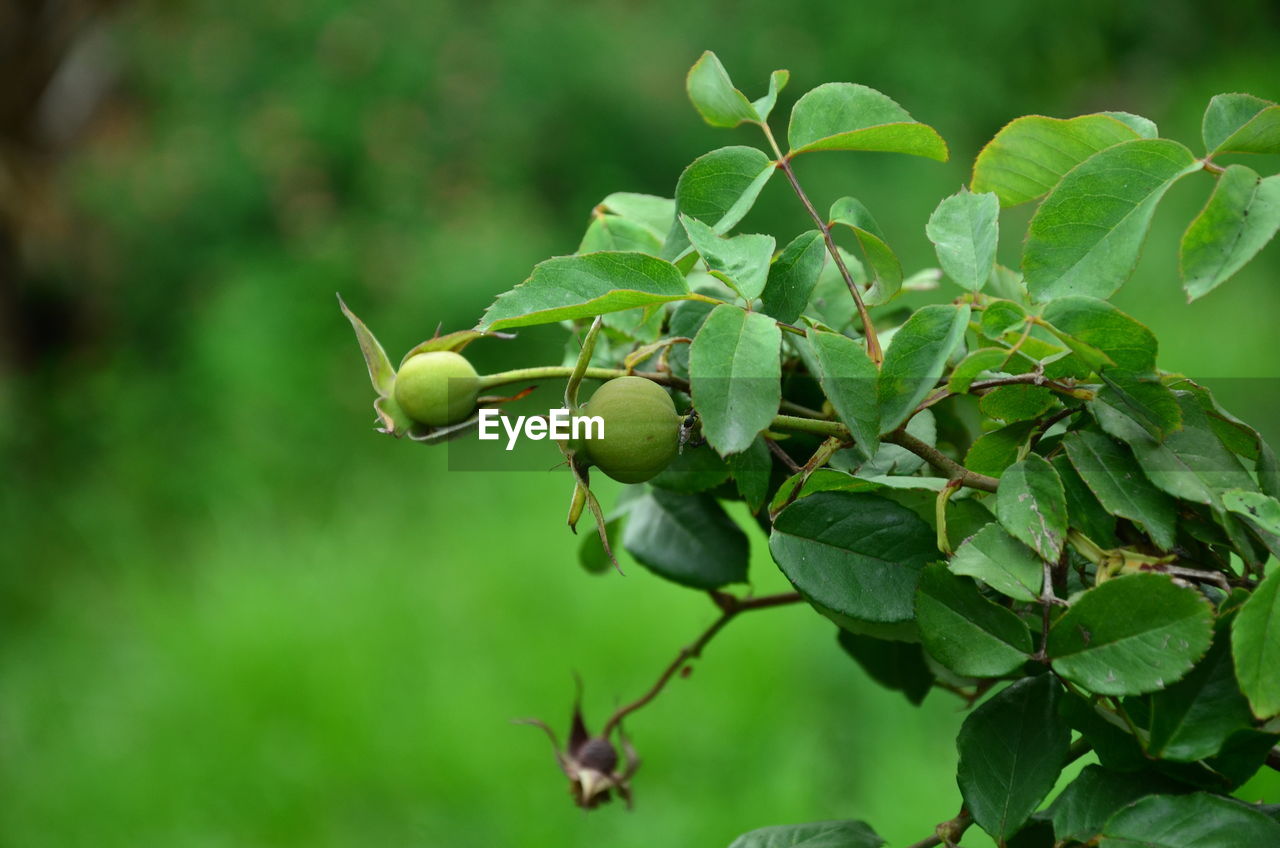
(232, 615)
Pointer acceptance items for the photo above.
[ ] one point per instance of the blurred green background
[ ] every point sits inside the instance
(232, 615)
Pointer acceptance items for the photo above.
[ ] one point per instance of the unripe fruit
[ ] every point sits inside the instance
(437, 388)
(641, 429)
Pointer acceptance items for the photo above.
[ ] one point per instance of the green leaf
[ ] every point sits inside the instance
(735, 375)
(1086, 324)
(741, 261)
(1001, 317)
(853, 554)
(793, 277)
(613, 232)
(713, 94)
(993, 452)
(1194, 718)
(1255, 640)
(1084, 806)
(1029, 155)
(1002, 562)
(752, 470)
(1241, 123)
(1115, 478)
(1011, 750)
(885, 268)
(1262, 511)
(1017, 403)
(717, 188)
(695, 469)
(895, 665)
(1188, 821)
(1144, 127)
(1143, 401)
(1131, 635)
(568, 287)
(1241, 216)
(830, 303)
(777, 81)
(591, 555)
(847, 116)
(828, 834)
(964, 230)
(1086, 236)
(964, 631)
(973, 366)
(1191, 463)
(688, 539)
(381, 373)
(653, 213)
(848, 378)
(916, 359)
(1084, 512)
(1032, 506)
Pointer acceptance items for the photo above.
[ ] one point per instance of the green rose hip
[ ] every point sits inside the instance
(641, 429)
(437, 388)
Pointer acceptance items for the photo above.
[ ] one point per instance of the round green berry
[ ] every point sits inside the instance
(641, 429)
(437, 388)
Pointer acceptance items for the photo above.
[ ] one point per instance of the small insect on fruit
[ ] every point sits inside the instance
(437, 388)
(641, 429)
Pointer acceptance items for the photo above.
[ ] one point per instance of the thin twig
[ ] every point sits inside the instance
(729, 606)
(868, 328)
(940, 460)
(947, 833)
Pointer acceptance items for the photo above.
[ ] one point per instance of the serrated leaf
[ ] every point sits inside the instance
(1131, 635)
(1084, 806)
(741, 261)
(853, 554)
(1115, 478)
(1012, 749)
(713, 95)
(828, 834)
(968, 634)
(1262, 511)
(1029, 155)
(1002, 562)
(1086, 236)
(1144, 401)
(899, 666)
(793, 277)
(1192, 719)
(1144, 127)
(1255, 640)
(1032, 506)
(885, 268)
(1084, 512)
(993, 452)
(848, 378)
(973, 366)
(735, 375)
(847, 116)
(916, 359)
(717, 188)
(688, 539)
(965, 229)
(1086, 324)
(613, 232)
(1191, 463)
(569, 287)
(1242, 215)
(1017, 403)
(1188, 821)
(752, 470)
(1241, 123)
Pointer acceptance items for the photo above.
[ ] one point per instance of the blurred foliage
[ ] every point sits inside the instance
(233, 616)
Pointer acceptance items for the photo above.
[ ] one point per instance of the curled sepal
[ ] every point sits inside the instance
(580, 367)
(591, 762)
(381, 372)
(454, 341)
(582, 489)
